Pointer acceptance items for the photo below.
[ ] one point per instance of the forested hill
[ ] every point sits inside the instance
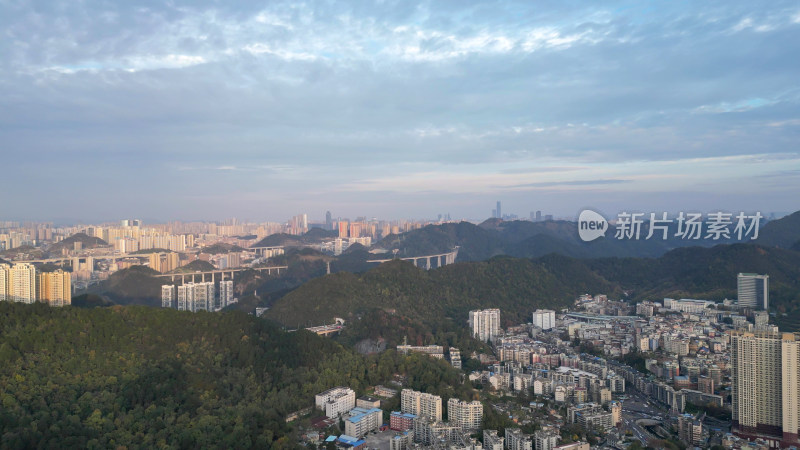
(519, 286)
(85, 240)
(516, 286)
(151, 378)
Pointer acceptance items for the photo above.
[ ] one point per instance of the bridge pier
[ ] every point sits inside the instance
(428, 263)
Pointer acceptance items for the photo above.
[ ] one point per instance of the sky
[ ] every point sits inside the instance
(396, 109)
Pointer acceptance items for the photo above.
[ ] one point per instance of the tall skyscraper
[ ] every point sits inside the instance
(499, 211)
(765, 376)
(753, 291)
(485, 324)
(328, 220)
(544, 318)
(55, 288)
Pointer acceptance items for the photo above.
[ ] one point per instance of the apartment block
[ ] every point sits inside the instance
(336, 401)
(466, 415)
(424, 405)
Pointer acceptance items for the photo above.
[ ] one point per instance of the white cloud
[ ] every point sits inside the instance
(259, 48)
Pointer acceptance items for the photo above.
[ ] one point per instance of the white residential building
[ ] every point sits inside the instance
(485, 323)
(168, 296)
(467, 415)
(544, 319)
(225, 293)
(420, 404)
(336, 401)
(362, 421)
(196, 297)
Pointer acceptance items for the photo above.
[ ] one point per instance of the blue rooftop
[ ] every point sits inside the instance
(360, 413)
(345, 439)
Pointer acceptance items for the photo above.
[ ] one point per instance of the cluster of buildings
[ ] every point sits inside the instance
(198, 296)
(419, 423)
(545, 438)
(21, 283)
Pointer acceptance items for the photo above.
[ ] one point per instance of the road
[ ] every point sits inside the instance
(637, 407)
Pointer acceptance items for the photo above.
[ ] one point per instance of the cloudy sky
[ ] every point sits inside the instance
(184, 110)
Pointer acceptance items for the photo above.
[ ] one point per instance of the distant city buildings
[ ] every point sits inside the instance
(485, 324)
(164, 262)
(753, 291)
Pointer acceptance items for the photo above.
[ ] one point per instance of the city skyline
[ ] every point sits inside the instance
(409, 109)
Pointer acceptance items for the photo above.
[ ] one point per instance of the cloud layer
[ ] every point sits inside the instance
(397, 108)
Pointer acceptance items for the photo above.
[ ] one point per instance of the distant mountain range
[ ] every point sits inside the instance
(533, 239)
(516, 266)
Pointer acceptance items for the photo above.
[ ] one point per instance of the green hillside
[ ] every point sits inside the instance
(709, 273)
(197, 265)
(519, 286)
(220, 247)
(135, 285)
(69, 243)
(134, 377)
(516, 286)
(313, 236)
(784, 232)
